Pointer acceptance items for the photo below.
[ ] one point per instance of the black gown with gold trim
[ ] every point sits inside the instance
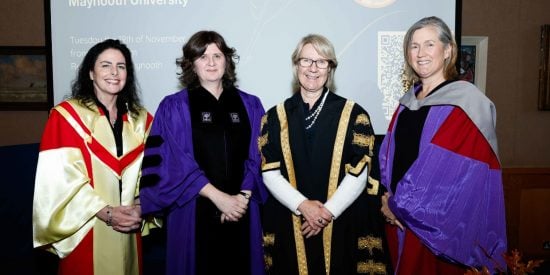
(341, 141)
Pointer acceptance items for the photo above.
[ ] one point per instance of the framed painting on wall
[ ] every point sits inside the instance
(24, 79)
(473, 60)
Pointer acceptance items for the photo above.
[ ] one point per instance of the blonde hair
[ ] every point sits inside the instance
(323, 46)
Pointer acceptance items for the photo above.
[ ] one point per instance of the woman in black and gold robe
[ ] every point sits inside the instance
(323, 216)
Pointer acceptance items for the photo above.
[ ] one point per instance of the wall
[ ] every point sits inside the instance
(525, 190)
(513, 28)
(22, 24)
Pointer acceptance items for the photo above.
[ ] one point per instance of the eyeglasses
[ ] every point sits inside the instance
(320, 63)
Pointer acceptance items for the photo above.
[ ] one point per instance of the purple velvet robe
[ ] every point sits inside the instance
(181, 179)
(453, 203)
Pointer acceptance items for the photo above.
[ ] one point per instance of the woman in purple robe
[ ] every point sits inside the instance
(439, 163)
(201, 170)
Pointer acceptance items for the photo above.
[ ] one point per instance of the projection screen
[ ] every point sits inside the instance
(367, 36)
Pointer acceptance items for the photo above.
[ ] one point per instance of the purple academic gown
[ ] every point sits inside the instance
(454, 204)
(180, 179)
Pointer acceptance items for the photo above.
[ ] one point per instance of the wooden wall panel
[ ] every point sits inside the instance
(527, 198)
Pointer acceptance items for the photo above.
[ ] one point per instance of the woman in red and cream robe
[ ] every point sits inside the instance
(86, 206)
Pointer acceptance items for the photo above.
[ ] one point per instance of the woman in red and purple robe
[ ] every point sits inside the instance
(439, 163)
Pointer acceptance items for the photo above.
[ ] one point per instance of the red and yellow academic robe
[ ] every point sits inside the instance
(78, 174)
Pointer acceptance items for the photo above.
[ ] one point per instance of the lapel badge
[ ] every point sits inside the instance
(235, 117)
(206, 117)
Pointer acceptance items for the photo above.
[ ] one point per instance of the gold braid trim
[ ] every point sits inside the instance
(268, 260)
(364, 141)
(296, 222)
(370, 243)
(334, 172)
(371, 267)
(375, 185)
(270, 166)
(269, 239)
(262, 141)
(366, 160)
(362, 119)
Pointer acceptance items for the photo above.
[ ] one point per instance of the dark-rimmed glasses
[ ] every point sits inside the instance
(320, 63)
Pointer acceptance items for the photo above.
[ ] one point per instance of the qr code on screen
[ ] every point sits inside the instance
(390, 70)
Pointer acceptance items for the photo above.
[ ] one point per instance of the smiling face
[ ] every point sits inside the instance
(210, 66)
(427, 54)
(311, 78)
(109, 73)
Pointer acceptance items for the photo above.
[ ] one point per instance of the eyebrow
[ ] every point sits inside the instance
(109, 62)
(422, 42)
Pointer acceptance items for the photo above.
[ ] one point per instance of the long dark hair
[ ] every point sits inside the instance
(82, 87)
(195, 48)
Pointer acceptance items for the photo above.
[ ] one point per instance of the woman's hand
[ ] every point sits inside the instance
(233, 207)
(390, 217)
(121, 218)
(315, 217)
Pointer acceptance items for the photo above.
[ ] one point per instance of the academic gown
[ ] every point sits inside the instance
(450, 199)
(172, 179)
(314, 162)
(78, 174)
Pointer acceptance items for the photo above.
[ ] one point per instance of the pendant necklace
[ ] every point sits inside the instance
(316, 113)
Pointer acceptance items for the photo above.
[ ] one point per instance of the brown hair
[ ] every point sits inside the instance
(195, 48)
(445, 36)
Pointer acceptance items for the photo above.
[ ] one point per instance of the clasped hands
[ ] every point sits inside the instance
(315, 217)
(122, 218)
(233, 207)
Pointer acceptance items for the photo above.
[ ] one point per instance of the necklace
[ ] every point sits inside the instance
(316, 113)
(112, 121)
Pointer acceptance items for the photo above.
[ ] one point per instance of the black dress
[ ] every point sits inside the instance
(221, 138)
